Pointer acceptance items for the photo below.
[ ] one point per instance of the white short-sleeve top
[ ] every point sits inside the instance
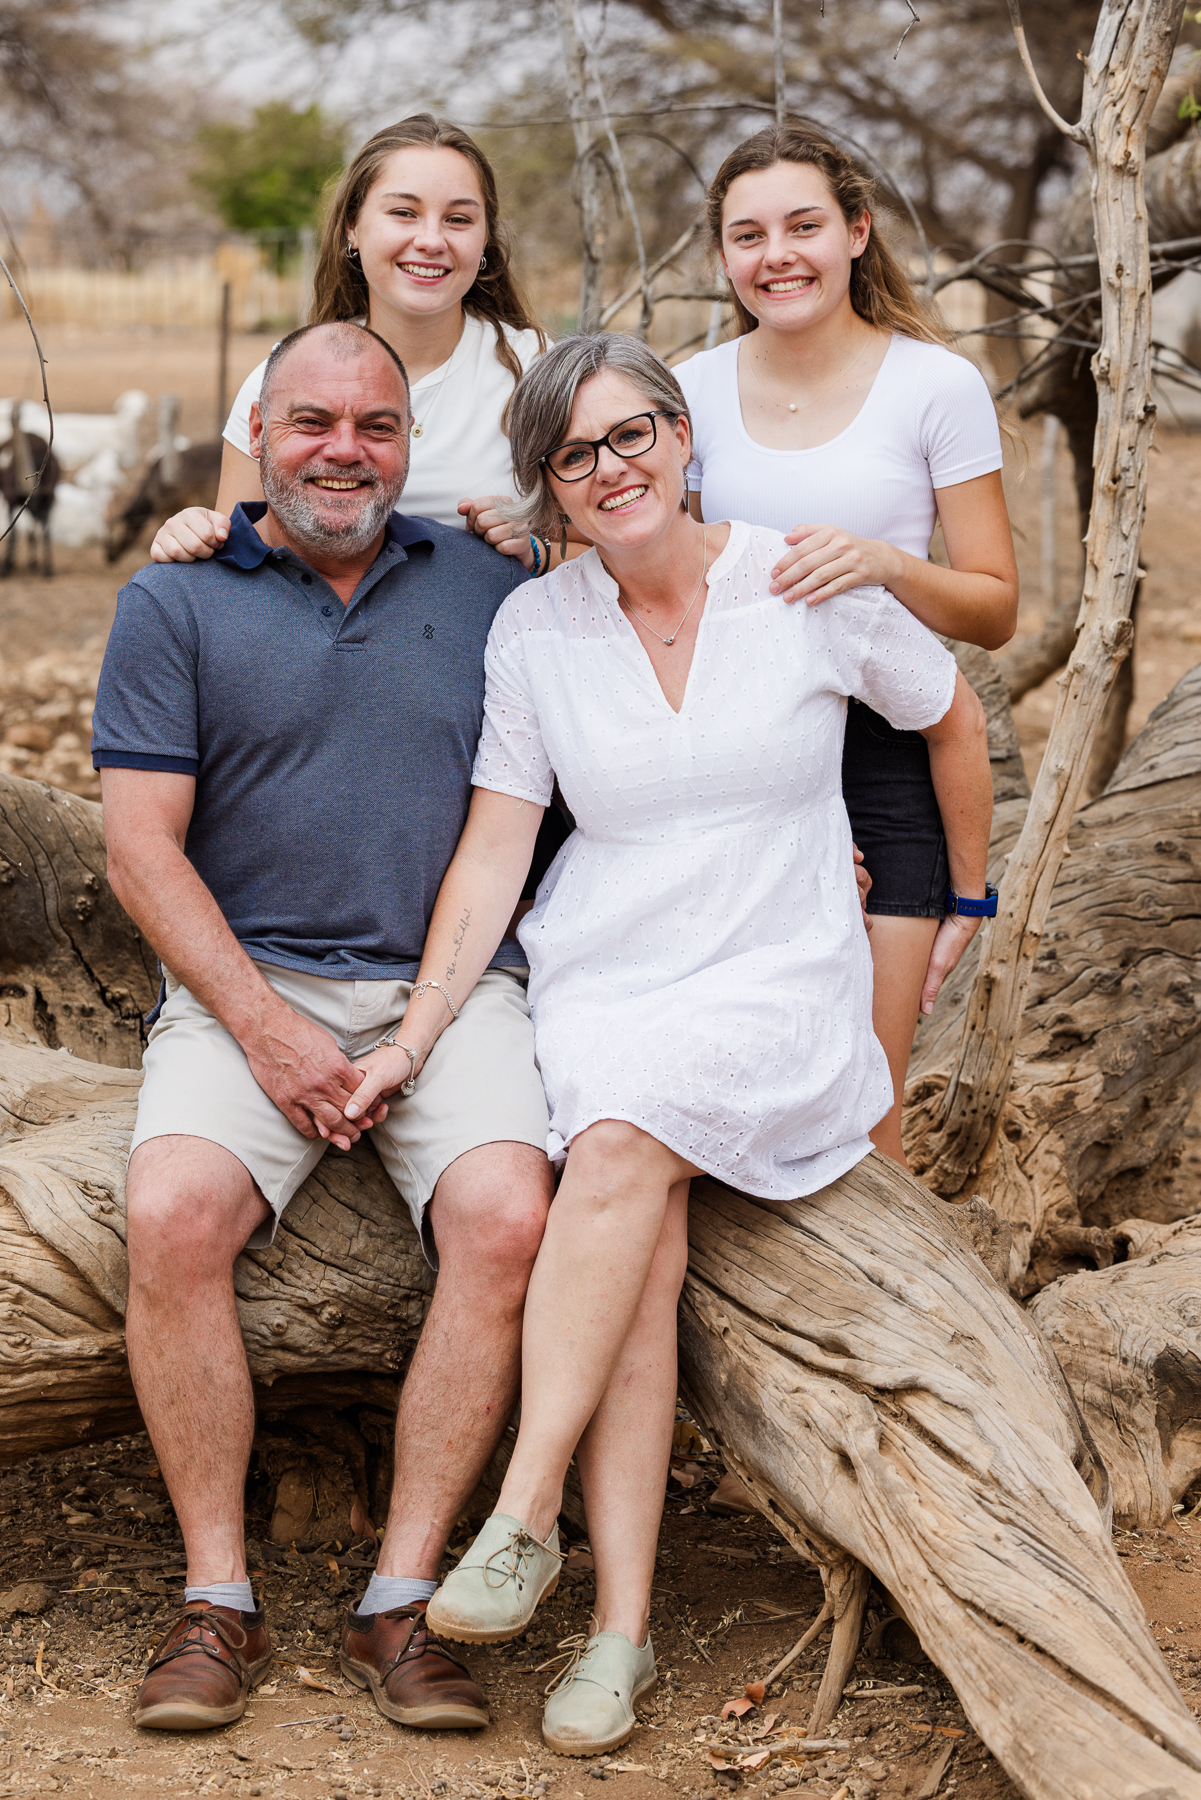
(461, 452)
(927, 423)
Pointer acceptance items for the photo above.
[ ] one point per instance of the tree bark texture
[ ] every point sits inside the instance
(74, 972)
(1125, 71)
(1129, 1341)
(1107, 1061)
(880, 1396)
(1065, 385)
(590, 165)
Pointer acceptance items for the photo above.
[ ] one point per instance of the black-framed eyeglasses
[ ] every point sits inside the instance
(576, 460)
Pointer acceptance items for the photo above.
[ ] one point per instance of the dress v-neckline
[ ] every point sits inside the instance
(613, 599)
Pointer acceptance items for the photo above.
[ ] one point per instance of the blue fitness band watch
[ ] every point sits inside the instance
(974, 909)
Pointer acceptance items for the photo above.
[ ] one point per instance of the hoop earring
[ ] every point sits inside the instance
(353, 257)
(564, 522)
(483, 262)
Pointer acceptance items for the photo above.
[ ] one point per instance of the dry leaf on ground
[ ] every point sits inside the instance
(311, 1681)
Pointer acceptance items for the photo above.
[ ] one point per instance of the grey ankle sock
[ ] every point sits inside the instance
(386, 1592)
(234, 1594)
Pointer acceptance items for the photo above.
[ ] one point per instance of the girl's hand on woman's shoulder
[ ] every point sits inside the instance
(190, 536)
(486, 521)
(826, 561)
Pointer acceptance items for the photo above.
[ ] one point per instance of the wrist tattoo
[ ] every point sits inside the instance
(460, 934)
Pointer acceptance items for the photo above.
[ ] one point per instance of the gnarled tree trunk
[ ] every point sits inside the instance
(1108, 1057)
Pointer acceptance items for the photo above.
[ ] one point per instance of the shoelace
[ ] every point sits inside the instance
(520, 1548)
(571, 1654)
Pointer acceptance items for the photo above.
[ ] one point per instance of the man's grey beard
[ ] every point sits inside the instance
(288, 497)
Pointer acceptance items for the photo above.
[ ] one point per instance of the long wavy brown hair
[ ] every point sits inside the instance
(881, 292)
(339, 285)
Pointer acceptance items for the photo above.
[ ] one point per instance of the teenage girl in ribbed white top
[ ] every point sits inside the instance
(838, 417)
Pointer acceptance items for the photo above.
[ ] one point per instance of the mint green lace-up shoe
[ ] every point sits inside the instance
(494, 1591)
(591, 1704)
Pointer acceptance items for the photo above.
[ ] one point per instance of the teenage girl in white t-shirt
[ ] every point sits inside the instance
(837, 405)
(413, 247)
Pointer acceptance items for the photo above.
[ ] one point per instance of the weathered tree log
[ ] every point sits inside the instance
(342, 1291)
(1129, 1341)
(74, 971)
(1108, 1058)
(878, 1391)
(880, 1396)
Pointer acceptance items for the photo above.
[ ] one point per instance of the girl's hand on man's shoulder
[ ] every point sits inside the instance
(192, 535)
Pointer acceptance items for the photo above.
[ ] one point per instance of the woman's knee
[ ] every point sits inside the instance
(613, 1152)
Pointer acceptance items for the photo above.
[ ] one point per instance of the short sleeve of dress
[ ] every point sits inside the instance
(886, 658)
(511, 758)
(957, 423)
(237, 426)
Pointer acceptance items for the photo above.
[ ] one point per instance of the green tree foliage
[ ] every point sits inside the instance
(269, 175)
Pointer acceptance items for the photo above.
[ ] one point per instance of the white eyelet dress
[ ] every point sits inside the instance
(698, 961)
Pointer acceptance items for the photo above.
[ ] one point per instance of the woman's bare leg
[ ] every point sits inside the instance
(583, 1298)
(900, 954)
(624, 1454)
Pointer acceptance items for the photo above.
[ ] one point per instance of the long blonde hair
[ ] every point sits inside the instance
(340, 286)
(881, 292)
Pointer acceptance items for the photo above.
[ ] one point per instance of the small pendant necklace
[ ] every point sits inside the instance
(417, 428)
(669, 641)
(791, 404)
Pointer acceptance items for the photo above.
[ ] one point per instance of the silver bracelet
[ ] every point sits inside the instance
(421, 987)
(390, 1043)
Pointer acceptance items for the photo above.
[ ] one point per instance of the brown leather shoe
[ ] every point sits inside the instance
(414, 1678)
(203, 1669)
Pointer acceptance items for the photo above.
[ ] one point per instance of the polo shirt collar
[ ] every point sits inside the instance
(246, 549)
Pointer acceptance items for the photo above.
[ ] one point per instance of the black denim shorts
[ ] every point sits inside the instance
(894, 816)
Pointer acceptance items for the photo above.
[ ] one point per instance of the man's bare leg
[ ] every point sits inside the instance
(191, 1208)
(489, 1211)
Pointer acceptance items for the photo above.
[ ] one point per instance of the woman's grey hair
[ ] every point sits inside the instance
(540, 415)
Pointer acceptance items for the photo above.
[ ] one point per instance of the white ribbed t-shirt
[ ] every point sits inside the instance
(461, 452)
(927, 423)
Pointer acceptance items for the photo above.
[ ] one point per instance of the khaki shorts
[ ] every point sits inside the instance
(478, 1086)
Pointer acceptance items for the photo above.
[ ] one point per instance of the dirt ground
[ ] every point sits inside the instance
(95, 1529)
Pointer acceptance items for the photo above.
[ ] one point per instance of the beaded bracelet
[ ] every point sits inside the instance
(537, 549)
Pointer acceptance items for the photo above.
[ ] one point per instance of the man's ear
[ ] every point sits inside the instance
(256, 429)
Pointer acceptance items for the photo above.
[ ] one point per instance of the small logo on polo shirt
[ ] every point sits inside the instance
(428, 632)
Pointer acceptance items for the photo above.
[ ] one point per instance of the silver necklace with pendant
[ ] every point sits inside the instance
(417, 428)
(791, 404)
(669, 641)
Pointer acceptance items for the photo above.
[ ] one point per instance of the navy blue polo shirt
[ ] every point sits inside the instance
(332, 746)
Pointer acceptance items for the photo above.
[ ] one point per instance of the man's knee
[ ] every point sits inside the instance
(489, 1212)
(190, 1207)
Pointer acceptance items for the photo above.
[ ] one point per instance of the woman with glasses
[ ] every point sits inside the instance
(839, 416)
(700, 974)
